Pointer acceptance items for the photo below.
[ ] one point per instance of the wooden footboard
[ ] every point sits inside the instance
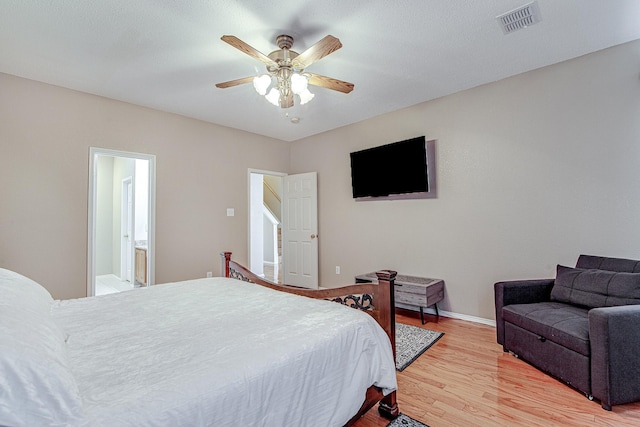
(375, 299)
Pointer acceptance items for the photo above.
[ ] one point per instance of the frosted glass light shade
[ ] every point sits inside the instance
(305, 96)
(298, 83)
(261, 83)
(274, 97)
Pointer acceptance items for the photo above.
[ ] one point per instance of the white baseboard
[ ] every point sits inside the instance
(488, 322)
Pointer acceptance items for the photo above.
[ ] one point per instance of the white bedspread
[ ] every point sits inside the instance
(220, 352)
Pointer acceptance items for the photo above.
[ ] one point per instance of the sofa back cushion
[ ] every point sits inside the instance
(609, 264)
(595, 288)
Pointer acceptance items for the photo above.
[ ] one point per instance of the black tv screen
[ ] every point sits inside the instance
(392, 169)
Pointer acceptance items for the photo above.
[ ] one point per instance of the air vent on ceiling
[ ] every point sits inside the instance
(519, 18)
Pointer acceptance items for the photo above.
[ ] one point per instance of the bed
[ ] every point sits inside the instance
(217, 351)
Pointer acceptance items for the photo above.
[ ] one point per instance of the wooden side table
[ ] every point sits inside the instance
(141, 266)
(416, 291)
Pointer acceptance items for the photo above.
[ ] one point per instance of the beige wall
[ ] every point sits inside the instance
(104, 216)
(45, 135)
(532, 171)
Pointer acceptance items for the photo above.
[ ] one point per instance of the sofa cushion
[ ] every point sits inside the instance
(609, 264)
(595, 288)
(563, 324)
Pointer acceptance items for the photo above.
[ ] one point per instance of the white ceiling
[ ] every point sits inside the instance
(167, 54)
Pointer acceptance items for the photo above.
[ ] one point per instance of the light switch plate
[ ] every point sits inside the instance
(231, 212)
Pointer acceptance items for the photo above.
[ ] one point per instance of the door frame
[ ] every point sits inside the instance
(285, 253)
(94, 152)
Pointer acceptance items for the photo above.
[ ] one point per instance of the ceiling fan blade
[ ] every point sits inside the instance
(240, 45)
(330, 83)
(235, 82)
(316, 52)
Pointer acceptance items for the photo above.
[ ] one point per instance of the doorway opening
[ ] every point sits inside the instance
(265, 224)
(294, 238)
(121, 230)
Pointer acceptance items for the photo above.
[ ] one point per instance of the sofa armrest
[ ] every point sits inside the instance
(518, 292)
(614, 336)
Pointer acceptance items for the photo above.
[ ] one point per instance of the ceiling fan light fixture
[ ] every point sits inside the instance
(261, 83)
(274, 97)
(285, 70)
(305, 96)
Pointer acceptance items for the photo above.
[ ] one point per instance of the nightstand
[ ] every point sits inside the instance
(411, 290)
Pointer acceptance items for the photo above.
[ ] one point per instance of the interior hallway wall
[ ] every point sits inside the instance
(104, 216)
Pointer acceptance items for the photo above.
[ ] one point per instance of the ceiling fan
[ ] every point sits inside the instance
(286, 70)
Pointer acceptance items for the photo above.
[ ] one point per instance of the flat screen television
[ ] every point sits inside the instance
(401, 170)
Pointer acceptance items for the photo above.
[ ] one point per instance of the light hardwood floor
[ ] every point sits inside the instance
(466, 379)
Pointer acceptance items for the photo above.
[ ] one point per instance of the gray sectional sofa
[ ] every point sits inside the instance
(583, 327)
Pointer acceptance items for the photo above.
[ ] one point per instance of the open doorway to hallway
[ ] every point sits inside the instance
(295, 237)
(265, 227)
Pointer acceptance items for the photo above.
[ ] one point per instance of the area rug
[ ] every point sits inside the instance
(405, 421)
(411, 342)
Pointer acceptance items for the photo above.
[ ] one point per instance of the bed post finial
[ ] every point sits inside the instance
(226, 257)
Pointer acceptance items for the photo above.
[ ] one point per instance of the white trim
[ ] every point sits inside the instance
(266, 172)
(474, 319)
(267, 212)
(94, 152)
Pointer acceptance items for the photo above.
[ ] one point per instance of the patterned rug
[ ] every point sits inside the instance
(411, 342)
(405, 421)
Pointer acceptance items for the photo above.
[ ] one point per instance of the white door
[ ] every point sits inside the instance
(127, 231)
(300, 230)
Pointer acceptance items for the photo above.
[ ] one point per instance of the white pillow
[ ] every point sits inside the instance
(23, 287)
(36, 385)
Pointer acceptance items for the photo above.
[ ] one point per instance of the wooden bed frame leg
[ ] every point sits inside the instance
(388, 406)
